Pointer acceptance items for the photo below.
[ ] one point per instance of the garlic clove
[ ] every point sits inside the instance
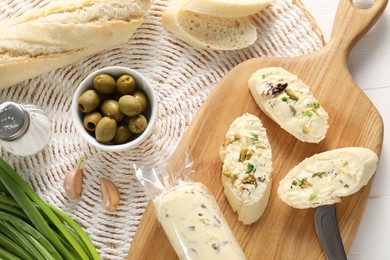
(73, 183)
(110, 194)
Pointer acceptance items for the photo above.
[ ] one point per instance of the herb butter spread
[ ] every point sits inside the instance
(326, 177)
(195, 225)
(289, 102)
(247, 167)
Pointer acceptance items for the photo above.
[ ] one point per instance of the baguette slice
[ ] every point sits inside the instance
(224, 8)
(62, 33)
(247, 168)
(209, 32)
(288, 101)
(326, 177)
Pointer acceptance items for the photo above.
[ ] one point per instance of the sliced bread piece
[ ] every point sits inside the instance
(326, 177)
(247, 168)
(209, 32)
(289, 102)
(224, 8)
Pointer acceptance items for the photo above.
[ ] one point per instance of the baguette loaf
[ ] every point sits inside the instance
(62, 33)
(224, 8)
(209, 32)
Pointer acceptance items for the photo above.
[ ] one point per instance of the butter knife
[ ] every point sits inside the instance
(328, 232)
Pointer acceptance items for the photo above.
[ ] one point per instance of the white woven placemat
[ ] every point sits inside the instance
(181, 75)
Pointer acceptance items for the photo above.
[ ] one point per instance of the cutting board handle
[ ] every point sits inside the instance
(352, 23)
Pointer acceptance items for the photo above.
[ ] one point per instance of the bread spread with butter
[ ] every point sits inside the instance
(247, 168)
(287, 100)
(326, 177)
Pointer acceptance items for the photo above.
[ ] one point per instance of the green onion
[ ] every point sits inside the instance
(18, 237)
(68, 246)
(8, 200)
(13, 247)
(70, 243)
(46, 254)
(71, 224)
(76, 231)
(27, 229)
(31, 211)
(12, 210)
(80, 232)
(2, 188)
(7, 255)
(65, 242)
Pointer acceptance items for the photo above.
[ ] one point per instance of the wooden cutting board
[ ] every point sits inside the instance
(282, 232)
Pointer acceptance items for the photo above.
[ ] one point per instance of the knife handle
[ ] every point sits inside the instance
(328, 232)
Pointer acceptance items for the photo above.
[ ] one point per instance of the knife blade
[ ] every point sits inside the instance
(327, 228)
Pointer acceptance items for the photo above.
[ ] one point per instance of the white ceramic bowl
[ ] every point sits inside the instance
(150, 113)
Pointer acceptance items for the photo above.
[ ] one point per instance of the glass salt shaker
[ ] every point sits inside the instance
(24, 128)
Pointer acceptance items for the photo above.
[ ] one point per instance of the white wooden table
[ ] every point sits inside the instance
(369, 64)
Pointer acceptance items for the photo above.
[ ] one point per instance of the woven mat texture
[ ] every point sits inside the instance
(182, 77)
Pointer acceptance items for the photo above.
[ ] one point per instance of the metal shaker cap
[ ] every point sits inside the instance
(14, 121)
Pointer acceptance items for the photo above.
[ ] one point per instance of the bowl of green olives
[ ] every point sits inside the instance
(114, 108)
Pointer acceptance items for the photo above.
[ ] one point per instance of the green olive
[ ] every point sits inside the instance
(91, 120)
(137, 124)
(88, 101)
(125, 84)
(110, 108)
(129, 105)
(122, 135)
(104, 83)
(105, 130)
(142, 99)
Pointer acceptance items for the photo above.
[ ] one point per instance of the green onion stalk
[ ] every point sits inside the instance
(29, 223)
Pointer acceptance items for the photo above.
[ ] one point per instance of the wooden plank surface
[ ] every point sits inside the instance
(282, 232)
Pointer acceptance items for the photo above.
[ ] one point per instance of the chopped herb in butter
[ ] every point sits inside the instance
(303, 183)
(307, 113)
(318, 174)
(316, 105)
(255, 138)
(312, 196)
(250, 168)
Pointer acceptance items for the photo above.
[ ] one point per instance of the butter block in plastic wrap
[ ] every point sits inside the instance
(195, 225)
(189, 214)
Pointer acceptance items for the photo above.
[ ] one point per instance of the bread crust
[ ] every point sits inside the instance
(198, 40)
(224, 8)
(62, 33)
